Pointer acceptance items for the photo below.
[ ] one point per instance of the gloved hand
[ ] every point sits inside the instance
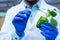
(20, 21)
(48, 31)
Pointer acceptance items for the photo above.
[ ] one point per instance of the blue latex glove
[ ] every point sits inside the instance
(48, 31)
(20, 21)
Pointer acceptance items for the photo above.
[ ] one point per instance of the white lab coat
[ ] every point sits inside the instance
(31, 32)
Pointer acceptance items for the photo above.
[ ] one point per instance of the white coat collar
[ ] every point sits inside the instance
(43, 5)
(38, 3)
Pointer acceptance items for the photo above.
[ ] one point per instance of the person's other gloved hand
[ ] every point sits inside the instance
(20, 21)
(48, 31)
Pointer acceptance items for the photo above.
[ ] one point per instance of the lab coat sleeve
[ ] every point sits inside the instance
(58, 20)
(9, 36)
(58, 36)
(15, 37)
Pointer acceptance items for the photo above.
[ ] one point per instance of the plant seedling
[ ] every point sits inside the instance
(45, 19)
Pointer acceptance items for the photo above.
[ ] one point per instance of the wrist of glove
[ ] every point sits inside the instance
(48, 31)
(21, 34)
(49, 39)
(20, 21)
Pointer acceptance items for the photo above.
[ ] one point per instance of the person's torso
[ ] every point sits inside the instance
(31, 31)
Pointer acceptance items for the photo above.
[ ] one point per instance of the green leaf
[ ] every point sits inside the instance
(52, 13)
(53, 22)
(41, 21)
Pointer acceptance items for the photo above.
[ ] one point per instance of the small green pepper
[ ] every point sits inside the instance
(41, 21)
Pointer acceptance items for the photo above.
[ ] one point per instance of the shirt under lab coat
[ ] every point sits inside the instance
(31, 32)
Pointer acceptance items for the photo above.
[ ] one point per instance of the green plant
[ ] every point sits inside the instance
(43, 19)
